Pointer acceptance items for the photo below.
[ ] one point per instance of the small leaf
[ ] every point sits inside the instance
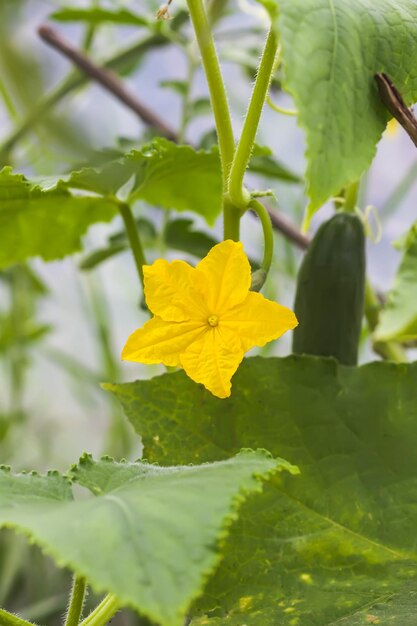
(398, 318)
(263, 162)
(179, 235)
(46, 223)
(97, 15)
(179, 86)
(158, 527)
(200, 106)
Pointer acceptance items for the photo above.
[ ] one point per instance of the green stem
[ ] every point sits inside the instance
(351, 197)
(279, 109)
(73, 81)
(133, 236)
(389, 350)
(102, 613)
(263, 215)
(231, 220)
(8, 619)
(216, 86)
(238, 195)
(76, 601)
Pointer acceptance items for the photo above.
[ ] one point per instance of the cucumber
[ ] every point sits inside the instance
(330, 291)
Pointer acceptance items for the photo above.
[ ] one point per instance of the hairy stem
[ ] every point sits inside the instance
(102, 613)
(9, 619)
(237, 193)
(216, 86)
(76, 601)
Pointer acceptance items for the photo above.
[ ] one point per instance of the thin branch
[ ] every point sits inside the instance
(111, 83)
(395, 104)
(105, 78)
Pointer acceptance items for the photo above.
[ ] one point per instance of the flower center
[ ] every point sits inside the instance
(213, 320)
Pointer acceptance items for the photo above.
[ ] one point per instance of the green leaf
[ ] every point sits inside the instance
(47, 223)
(97, 15)
(200, 106)
(398, 319)
(339, 538)
(163, 174)
(159, 528)
(263, 162)
(179, 235)
(332, 49)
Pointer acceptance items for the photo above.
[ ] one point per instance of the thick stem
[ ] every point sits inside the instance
(263, 215)
(103, 612)
(76, 601)
(8, 619)
(237, 193)
(216, 86)
(133, 236)
(351, 197)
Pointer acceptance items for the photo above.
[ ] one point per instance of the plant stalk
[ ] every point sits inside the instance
(238, 195)
(216, 86)
(9, 619)
(76, 603)
(102, 613)
(134, 240)
(263, 215)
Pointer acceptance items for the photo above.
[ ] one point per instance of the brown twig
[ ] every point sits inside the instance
(106, 78)
(111, 83)
(395, 104)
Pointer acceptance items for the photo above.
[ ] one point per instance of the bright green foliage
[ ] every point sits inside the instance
(98, 15)
(164, 174)
(151, 534)
(265, 163)
(398, 320)
(331, 50)
(44, 222)
(340, 537)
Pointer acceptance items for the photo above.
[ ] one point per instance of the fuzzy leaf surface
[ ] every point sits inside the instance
(158, 527)
(331, 51)
(340, 537)
(164, 174)
(45, 222)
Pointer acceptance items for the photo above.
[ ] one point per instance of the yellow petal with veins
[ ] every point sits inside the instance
(159, 341)
(172, 291)
(258, 320)
(213, 359)
(225, 275)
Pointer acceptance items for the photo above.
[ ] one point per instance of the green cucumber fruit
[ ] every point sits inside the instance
(330, 291)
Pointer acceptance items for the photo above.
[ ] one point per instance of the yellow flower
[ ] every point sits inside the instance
(205, 318)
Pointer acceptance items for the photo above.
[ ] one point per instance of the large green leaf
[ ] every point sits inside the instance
(332, 50)
(398, 319)
(150, 536)
(44, 222)
(164, 174)
(340, 537)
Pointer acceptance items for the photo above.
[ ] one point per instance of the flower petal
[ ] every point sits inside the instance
(213, 359)
(159, 341)
(227, 275)
(258, 320)
(171, 291)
